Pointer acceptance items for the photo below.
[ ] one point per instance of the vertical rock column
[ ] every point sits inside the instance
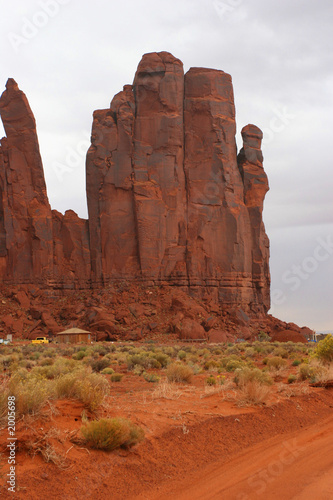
(25, 216)
(250, 161)
(159, 182)
(113, 240)
(218, 223)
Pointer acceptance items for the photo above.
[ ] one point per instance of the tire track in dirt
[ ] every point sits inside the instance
(297, 466)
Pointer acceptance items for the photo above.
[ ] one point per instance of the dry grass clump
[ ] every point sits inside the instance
(144, 359)
(4, 393)
(293, 390)
(212, 365)
(166, 390)
(245, 375)
(30, 395)
(111, 433)
(116, 377)
(253, 386)
(61, 366)
(177, 372)
(324, 375)
(43, 445)
(100, 364)
(316, 372)
(276, 364)
(89, 388)
(253, 392)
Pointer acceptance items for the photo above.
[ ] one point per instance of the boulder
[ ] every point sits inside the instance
(288, 336)
(217, 337)
(191, 330)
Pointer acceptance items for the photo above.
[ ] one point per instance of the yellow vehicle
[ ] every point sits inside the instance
(40, 340)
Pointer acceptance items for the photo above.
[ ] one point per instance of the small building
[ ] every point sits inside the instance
(74, 336)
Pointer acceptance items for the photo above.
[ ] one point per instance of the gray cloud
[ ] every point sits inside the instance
(280, 57)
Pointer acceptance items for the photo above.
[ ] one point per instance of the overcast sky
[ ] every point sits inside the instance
(71, 56)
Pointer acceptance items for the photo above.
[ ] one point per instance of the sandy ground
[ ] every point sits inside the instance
(297, 466)
(197, 446)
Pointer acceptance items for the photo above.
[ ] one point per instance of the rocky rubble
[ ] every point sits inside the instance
(131, 312)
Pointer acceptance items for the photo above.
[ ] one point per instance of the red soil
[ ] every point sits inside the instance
(198, 445)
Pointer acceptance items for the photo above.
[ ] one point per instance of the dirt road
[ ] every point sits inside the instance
(299, 466)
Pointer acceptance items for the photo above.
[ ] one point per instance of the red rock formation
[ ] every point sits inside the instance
(177, 207)
(113, 238)
(219, 253)
(255, 181)
(36, 245)
(71, 254)
(168, 202)
(25, 213)
(158, 157)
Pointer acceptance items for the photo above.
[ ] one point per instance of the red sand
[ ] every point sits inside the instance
(195, 448)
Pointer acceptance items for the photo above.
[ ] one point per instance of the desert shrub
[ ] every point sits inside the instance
(276, 363)
(217, 351)
(116, 377)
(138, 370)
(5, 362)
(169, 351)
(267, 348)
(324, 349)
(233, 349)
(250, 352)
(27, 363)
(194, 367)
(263, 336)
(212, 365)
(143, 359)
(177, 372)
(306, 371)
(281, 352)
(46, 361)
(211, 380)
(111, 433)
(100, 349)
(292, 379)
(30, 394)
(296, 362)
(35, 356)
(253, 392)
(79, 355)
(220, 379)
(67, 351)
(107, 371)
(61, 366)
(181, 354)
(161, 358)
(245, 375)
(203, 353)
(233, 364)
(323, 374)
(4, 393)
(89, 388)
(151, 377)
(99, 364)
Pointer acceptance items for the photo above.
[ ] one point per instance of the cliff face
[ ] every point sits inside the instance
(169, 202)
(37, 245)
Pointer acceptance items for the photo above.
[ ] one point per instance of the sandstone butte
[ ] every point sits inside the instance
(169, 200)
